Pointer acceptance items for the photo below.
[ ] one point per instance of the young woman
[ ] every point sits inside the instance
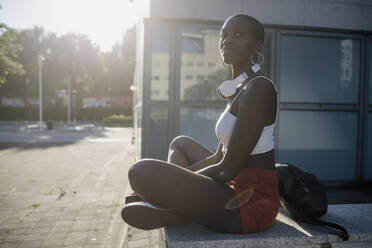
(235, 189)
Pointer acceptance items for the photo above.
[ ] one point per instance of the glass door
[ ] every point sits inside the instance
(319, 102)
(201, 71)
(368, 163)
(158, 96)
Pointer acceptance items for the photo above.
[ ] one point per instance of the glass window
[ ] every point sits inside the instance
(158, 135)
(190, 63)
(199, 123)
(188, 77)
(199, 46)
(192, 41)
(315, 69)
(320, 142)
(368, 164)
(199, 83)
(160, 62)
(370, 69)
(368, 167)
(158, 126)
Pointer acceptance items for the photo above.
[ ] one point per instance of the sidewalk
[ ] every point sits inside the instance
(137, 238)
(55, 193)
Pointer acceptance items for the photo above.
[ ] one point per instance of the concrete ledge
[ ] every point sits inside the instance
(356, 218)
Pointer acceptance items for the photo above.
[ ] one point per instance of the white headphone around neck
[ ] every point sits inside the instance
(228, 87)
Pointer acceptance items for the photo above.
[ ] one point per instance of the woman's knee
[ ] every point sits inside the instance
(139, 172)
(179, 141)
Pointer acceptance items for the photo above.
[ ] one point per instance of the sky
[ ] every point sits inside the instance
(104, 21)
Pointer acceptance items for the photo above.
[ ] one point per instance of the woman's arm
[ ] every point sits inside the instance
(213, 159)
(256, 106)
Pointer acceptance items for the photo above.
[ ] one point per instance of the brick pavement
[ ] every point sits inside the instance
(137, 238)
(66, 192)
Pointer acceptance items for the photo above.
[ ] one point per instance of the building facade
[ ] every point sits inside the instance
(318, 53)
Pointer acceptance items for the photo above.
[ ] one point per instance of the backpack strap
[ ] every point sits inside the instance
(332, 227)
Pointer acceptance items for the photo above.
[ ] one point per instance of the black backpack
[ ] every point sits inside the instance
(303, 196)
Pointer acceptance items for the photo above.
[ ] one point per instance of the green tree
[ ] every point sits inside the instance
(8, 53)
(73, 56)
(31, 42)
(117, 75)
(129, 56)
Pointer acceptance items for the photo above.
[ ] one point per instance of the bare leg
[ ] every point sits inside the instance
(185, 151)
(191, 195)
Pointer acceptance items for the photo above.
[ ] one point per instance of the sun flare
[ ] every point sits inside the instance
(104, 21)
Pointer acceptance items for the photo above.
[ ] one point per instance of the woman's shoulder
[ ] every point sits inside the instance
(261, 83)
(258, 90)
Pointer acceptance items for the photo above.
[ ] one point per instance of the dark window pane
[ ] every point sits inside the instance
(368, 165)
(199, 123)
(160, 38)
(370, 69)
(160, 63)
(199, 83)
(158, 133)
(320, 142)
(314, 69)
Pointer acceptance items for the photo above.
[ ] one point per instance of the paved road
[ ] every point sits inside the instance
(64, 188)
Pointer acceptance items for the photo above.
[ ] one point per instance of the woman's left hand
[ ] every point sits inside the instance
(217, 172)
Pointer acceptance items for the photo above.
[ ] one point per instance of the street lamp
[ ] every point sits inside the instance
(41, 58)
(26, 99)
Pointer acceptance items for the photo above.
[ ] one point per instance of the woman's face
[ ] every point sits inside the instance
(236, 42)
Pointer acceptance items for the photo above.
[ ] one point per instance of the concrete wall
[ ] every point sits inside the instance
(344, 14)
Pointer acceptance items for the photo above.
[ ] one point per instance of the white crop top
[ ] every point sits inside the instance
(226, 123)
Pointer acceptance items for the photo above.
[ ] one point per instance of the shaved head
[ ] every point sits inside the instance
(253, 25)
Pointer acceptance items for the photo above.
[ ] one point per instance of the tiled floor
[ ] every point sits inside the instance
(137, 238)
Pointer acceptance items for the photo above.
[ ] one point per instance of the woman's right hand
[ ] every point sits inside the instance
(213, 159)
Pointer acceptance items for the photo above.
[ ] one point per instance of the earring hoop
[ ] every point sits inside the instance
(262, 58)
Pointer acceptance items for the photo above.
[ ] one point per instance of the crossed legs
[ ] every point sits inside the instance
(191, 195)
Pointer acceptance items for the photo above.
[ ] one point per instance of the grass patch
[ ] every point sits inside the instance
(49, 193)
(35, 205)
(118, 120)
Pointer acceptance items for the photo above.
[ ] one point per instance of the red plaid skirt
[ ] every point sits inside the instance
(257, 194)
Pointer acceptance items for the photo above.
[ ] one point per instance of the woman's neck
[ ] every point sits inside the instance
(239, 69)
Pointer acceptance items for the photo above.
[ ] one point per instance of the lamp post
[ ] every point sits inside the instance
(69, 100)
(41, 58)
(26, 99)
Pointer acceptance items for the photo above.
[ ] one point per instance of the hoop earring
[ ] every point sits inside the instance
(257, 66)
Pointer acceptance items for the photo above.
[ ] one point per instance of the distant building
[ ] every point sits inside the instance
(319, 54)
(12, 101)
(108, 102)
